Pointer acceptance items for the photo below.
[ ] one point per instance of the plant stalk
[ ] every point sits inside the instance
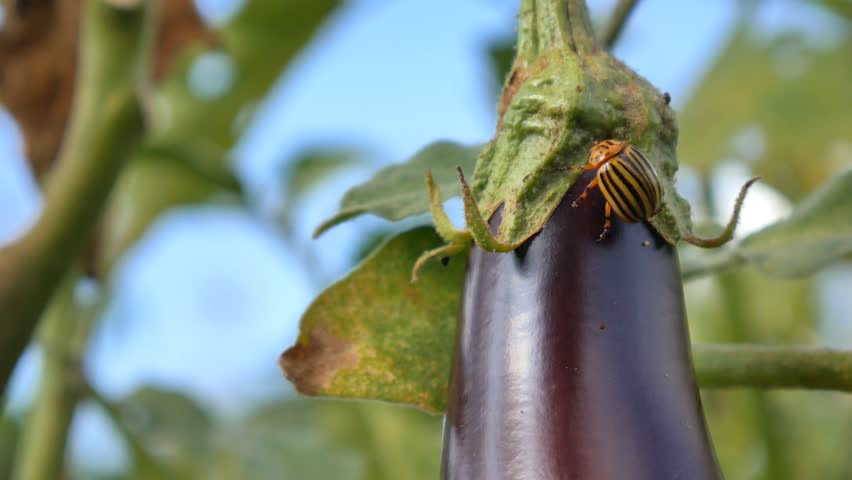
(616, 22)
(106, 123)
(63, 336)
(761, 366)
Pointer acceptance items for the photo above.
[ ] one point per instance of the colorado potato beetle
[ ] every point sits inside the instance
(629, 182)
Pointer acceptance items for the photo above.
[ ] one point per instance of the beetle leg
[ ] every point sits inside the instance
(591, 185)
(607, 221)
(584, 168)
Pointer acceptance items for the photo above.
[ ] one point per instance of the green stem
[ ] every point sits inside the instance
(616, 22)
(760, 366)
(105, 124)
(63, 335)
(545, 25)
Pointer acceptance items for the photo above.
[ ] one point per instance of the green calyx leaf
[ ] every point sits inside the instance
(397, 192)
(563, 95)
(376, 335)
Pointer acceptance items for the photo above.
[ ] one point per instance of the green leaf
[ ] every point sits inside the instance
(9, 434)
(308, 169)
(817, 233)
(191, 134)
(149, 185)
(170, 425)
(399, 191)
(337, 440)
(783, 105)
(842, 8)
(696, 262)
(287, 438)
(376, 335)
(258, 43)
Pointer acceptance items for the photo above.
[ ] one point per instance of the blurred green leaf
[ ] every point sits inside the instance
(399, 191)
(376, 335)
(255, 46)
(294, 438)
(148, 186)
(783, 105)
(169, 425)
(842, 8)
(307, 170)
(9, 434)
(696, 262)
(193, 131)
(332, 440)
(205, 160)
(816, 234)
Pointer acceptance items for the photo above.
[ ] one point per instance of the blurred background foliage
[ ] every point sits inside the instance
(778, 108)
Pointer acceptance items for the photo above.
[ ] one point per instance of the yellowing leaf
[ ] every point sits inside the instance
(376, 335)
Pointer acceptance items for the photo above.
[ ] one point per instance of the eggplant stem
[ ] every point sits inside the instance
(728, 233)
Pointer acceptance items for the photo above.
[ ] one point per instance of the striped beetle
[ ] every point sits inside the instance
(628, 181)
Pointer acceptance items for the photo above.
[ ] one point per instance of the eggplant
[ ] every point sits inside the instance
(572, 359)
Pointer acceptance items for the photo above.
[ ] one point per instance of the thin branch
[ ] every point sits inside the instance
(105, 124)
(63, 335)
(616, 22)
(757, 366)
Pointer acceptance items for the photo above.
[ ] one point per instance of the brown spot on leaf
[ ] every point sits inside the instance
(516, 79)
(312, 363)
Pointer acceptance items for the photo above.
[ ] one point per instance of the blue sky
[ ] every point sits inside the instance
(386, 76)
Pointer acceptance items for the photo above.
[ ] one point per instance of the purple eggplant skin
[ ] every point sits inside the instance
(572, 359)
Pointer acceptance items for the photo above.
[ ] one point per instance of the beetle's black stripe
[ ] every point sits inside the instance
(633, 192)
(617, 195)
(638, 173)
(650, 173)
(634, 189)
(635, 163)
(641, 163)
(648, 167)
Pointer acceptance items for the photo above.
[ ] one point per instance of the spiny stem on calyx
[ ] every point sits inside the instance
(728, 233)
